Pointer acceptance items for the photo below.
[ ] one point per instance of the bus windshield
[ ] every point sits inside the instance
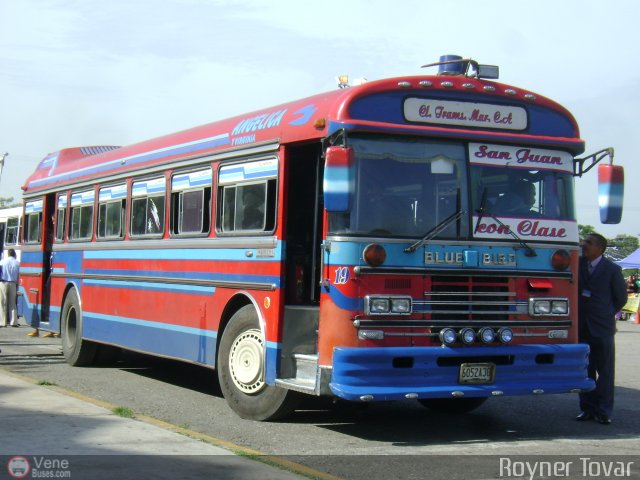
(505, 191)
(404, 187)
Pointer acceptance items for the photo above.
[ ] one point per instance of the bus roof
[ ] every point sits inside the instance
(10, 212)
(456, 107)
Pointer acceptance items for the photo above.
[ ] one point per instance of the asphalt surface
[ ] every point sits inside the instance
(48, 431)
(388, 440)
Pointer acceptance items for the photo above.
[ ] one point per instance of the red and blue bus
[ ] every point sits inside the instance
(10, 224)
(362, 244)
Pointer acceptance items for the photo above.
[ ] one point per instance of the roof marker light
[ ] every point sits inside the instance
(343, 81)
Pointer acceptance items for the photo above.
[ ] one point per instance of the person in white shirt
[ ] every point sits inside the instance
(8, 289)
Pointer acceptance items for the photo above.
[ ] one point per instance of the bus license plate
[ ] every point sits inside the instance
(477, 373)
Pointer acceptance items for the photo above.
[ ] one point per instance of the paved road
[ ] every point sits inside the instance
(392, 440)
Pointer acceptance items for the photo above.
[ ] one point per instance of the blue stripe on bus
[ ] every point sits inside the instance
(191, 180)
(112, 193)
(149, 187)
(249, 171)
(186, 343)
(33, 207)
(343, 301)
(82, 198)
(30, 270)
(189, 147)
(222, 254)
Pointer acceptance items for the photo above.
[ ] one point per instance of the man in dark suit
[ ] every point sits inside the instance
(602, 293)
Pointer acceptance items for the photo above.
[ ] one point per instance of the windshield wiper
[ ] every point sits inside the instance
(435, 231)
(483, 212)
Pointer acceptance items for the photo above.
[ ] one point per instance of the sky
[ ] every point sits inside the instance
(89, 72)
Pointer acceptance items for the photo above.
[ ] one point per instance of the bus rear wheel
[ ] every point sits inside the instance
(77, 351)
(453, 405)
(241, 371)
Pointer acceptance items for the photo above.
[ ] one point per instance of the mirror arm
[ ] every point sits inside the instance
(578, 163)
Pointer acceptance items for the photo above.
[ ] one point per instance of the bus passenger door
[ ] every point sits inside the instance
(301, 271)
(47, 256)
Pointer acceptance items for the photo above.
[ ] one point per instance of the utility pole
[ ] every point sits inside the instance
(2, 164)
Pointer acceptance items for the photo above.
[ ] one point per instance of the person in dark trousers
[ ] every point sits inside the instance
(602, 293)
(9, 279)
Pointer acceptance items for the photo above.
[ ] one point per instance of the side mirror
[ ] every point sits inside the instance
(338, 182)
(610, 192)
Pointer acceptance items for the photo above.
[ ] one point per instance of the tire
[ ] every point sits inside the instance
(453, 405)
(77, 351)
(241, 371)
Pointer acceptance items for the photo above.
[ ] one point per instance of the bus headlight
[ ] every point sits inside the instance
(400, 305)
(560, 307)
(548, 306)
(542, 307)
(379, 305)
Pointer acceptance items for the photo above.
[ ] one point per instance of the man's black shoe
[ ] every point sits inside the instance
(603, 420)
(584, 416)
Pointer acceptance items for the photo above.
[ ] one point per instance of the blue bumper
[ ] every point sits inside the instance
(398, 373)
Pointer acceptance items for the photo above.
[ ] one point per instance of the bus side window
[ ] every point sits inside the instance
(81, 222)
(110, 219)
(81, 215)
(33, 221)
(228, 197)
(147, 208)
(33, 227)
(112, 205)
(190, 211)
(191, 203)
(60, 224)
(247, 207)
(12, 231)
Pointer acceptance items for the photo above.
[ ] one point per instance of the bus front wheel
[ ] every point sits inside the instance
(241, 371)
(77, 351)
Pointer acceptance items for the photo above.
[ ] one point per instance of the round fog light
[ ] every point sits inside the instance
(467, 335)
(448, 336)
(505, 335)
(487, 335)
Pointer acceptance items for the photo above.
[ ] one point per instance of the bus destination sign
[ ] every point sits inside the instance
(467, 114)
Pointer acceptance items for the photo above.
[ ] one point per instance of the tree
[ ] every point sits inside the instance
(6, 202)
(622, 246)
(584, 230)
